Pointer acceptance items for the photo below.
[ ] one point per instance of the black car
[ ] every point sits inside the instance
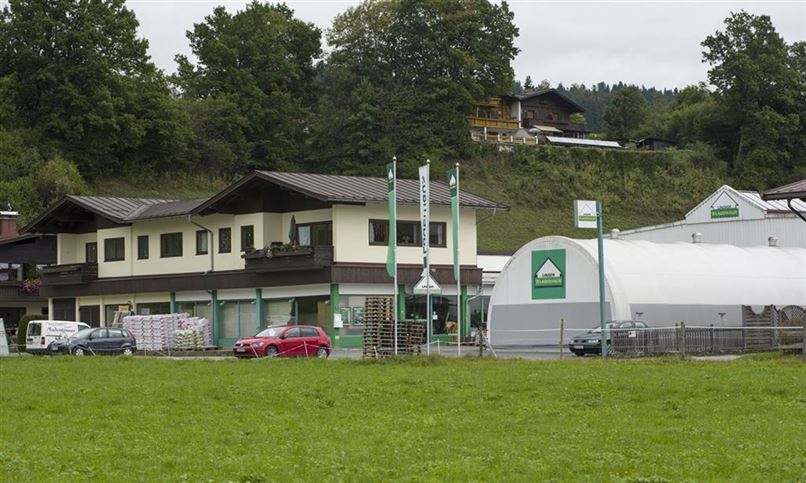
(98, 341)
(591, 341)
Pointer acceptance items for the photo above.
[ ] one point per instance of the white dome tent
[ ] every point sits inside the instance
(555, 278)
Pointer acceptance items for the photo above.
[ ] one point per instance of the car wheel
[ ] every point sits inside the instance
(322, 352)
(127, 351)
(78, 351)
(271, 351)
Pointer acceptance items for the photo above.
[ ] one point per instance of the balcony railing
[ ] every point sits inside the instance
(284, 260)
(479, 122)
(71, 274)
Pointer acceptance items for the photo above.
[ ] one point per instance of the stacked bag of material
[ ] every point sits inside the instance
(201, 328)
(169, 331)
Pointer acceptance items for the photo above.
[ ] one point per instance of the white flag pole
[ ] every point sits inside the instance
(394, 303)
(458, 273)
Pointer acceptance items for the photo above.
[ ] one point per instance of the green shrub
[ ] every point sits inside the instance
(22, 327)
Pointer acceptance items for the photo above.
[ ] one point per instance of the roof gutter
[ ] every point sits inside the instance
(209, 245)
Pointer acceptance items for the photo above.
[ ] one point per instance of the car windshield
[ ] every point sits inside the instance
(270, 332)
(81, 334)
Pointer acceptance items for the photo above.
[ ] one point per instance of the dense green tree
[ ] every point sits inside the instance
(402, 76)
(528, 84)
(76, 72)
(256, 67)
(757, 88)
(625, 113)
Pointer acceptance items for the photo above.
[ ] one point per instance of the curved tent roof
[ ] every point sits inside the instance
(640, 273)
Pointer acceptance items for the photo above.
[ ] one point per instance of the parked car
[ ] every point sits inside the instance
(285, 341)
(591, 341)
(99, 341)
(41, 335)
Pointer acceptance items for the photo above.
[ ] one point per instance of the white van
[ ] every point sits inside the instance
(42, 333)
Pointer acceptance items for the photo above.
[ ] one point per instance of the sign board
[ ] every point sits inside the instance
(724, 206)
(548, 277)
(427, 284)
(585, 214)
(338, 322)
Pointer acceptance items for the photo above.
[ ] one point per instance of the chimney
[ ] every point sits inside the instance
(773, 241)
(8, 224)
(614, 233)
(696, 237)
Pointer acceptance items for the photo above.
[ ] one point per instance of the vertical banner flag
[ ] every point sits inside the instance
(391, 175)
(424, 214)
(453, 184)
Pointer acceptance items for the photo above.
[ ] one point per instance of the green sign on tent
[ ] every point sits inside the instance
(548, 274)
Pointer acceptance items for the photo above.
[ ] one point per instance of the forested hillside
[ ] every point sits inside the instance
(83, 109)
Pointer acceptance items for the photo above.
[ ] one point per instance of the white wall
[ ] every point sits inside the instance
(351, 235)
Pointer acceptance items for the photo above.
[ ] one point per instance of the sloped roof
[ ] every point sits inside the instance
(755, 199)
(790, 191)
(326, 188)
(583, 143)
(542, 92)
(356, 189)
(118, 209)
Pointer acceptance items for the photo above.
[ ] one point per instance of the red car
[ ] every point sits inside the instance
(285, 341)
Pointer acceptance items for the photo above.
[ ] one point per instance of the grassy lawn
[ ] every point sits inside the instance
(424, 419)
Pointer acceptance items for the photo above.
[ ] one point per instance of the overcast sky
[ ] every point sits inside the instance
(655, 43)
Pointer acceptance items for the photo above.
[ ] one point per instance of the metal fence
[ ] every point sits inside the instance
(700, 340)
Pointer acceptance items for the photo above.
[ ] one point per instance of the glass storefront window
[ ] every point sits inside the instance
(444, 311)
(158, 308)
(237, 319)
(277, 312)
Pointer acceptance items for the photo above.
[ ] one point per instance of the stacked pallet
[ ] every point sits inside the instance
(379, 330)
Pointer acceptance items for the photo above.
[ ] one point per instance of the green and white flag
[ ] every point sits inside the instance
(391, 175)
(453, 184)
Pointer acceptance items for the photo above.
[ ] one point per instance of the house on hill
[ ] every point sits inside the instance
(550, 112)
(529, 118)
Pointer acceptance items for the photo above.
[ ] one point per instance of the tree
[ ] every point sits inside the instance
(403, 75)
(625, 113)
(757, 87)
(528, 84)
(76, 72)
(258, 66)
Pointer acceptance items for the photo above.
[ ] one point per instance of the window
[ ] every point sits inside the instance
(115, 333)
(142, 247)
(408, 233)
(224, 240)
(315, 234)
(247, 238)
(201, 242)
(91, 252)
(437, 234)
(309, 332)
(170, 245)
(156, 308)
(295, 332)
(114, 250)
(100, 334)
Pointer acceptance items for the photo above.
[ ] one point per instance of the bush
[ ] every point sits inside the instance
(22, 327)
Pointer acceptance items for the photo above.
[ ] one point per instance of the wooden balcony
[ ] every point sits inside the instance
(482, 122)
(71, 274)
(13, 289)
(277, 260)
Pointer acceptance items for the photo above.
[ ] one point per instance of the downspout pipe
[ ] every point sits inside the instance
(209, 245)
(798, 213)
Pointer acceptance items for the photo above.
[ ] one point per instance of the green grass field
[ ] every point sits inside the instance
(105, 419)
